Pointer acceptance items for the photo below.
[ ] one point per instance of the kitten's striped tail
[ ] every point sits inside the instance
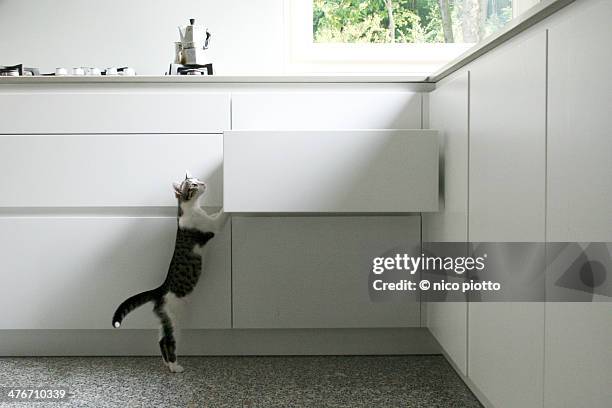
(132, 303)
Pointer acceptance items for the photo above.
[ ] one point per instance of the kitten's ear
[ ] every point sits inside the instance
(177, 189)
(188, 174)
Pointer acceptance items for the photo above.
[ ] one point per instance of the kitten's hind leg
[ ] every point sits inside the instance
(164, 349)
(167, 343)
(168, 349)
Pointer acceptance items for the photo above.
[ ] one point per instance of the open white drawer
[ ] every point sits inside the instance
(356, 171)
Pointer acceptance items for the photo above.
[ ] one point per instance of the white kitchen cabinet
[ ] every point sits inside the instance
(578, 364)
(322, 109)
(316, 272)
(132, 111)
(72, 273)
(448, 113)
(579, 123)
(578, 356)
(330, 171)
(106, 170)
(506, 204)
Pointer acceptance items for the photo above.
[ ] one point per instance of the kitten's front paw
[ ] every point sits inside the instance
(175, 368)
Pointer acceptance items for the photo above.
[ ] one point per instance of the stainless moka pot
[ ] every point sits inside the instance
(194, 39)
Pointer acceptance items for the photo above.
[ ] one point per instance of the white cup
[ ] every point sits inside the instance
(78, 71)
(61, 71)
(111, 71)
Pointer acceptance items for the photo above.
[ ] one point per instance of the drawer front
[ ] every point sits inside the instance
(114, 112)
(105, 170)
(326, 110)
(330, 171)
(72, 273)
(314, 272)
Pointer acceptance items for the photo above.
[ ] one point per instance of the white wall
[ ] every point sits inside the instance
(247, 35)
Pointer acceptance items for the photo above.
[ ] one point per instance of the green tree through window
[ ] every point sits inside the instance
(408, 21)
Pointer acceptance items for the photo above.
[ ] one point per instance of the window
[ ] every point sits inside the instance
(390, 36)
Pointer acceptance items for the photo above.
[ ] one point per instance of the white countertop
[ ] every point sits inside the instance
(218, 79)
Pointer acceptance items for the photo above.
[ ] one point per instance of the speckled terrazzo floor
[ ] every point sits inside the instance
(330, 381)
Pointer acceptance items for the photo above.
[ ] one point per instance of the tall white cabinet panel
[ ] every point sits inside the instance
(578, 357)
(315, 272)
(507, 141)
(72, 273)
(326, 110)
(331, 171)
(578, 335)
(506, 203)
(106, 170)
(130, 111)
(448, 113)
(579, 126)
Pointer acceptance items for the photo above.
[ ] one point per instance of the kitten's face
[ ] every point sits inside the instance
(189, 189)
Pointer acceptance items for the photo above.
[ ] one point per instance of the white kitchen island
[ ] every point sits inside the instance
(87, 166)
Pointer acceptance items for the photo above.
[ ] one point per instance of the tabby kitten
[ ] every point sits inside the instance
(195, 228)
